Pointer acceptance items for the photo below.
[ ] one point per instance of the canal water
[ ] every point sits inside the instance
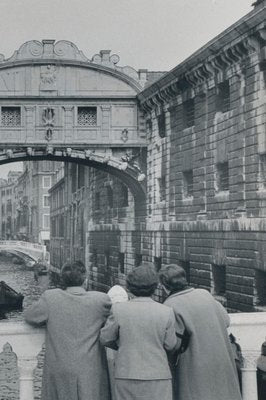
(22, 280)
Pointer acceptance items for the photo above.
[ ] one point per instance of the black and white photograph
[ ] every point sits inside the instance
(133, 200)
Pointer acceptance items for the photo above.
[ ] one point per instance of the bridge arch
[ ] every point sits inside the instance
(130, 175)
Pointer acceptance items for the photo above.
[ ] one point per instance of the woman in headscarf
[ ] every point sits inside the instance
(206, 369)
(117, 294)
(75, 366)
(142, 331)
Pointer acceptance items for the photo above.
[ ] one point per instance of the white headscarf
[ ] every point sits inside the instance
(117, 294)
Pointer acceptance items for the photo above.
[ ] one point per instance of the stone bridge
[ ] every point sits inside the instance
(56, 103)
(31, 250)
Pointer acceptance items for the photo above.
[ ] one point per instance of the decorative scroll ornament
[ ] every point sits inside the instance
(48, 119)
(124, 135)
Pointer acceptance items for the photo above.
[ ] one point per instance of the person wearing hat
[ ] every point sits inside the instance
(206, 369)
(142, 331)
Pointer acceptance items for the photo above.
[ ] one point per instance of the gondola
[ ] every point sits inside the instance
(9, 298)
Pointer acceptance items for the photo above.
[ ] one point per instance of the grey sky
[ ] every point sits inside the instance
(152, 34)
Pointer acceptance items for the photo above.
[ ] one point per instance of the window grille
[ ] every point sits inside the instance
(161, 125)
(223, 97)
(218, 280)
(87, 116)
(260, 287)
(189, 113)
(10, 116)
(121, 262)
(188, 183)
(223, 176)
(157, 263)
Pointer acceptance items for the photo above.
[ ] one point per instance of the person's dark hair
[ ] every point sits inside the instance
(173, 277)
(73, 273)
(142, 281)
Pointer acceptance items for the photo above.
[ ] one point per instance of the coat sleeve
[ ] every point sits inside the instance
(171, 341)
(37, 313)
(110, 333)
(223, 314)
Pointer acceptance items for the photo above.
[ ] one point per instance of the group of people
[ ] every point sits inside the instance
(179, 350)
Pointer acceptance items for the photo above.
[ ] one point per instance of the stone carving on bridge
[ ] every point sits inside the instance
(9, 374)
(66, 50)
(48, 78)
(133, 160)
(48, 117)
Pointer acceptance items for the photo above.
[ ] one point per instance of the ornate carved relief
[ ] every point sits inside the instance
(48, 117)
(48, 78)
(9, 374)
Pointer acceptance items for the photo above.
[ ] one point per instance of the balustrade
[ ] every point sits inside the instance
(26, 343)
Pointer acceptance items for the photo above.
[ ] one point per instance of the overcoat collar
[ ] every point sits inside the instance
(142, 299)
(78, 290)
(181, 292)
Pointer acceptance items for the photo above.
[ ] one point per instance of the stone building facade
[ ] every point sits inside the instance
(205, 167)
(8, 205)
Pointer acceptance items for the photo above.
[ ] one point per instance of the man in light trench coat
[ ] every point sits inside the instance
(75, 366)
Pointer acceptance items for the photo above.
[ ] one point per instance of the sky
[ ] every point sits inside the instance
(152, 34)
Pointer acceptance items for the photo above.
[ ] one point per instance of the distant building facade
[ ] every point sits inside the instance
(205, 178)
(8, 202)
(25, 204)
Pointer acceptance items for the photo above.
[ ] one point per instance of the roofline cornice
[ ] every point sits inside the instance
(232, 45)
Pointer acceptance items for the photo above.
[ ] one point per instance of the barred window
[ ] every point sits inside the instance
(188, 183)
(189, 113)
(87, 116)
(218, 283)
(222, 176)
(10, 116)
(223, 97)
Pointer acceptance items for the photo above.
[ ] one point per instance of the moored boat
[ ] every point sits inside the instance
(9, 298)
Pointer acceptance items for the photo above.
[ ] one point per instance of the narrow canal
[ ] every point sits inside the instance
(22, 280)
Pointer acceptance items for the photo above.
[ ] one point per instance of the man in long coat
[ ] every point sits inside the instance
(75, 365)
(206, 370)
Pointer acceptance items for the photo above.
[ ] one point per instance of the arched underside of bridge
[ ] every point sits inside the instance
(21, 254)
(132, 176)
